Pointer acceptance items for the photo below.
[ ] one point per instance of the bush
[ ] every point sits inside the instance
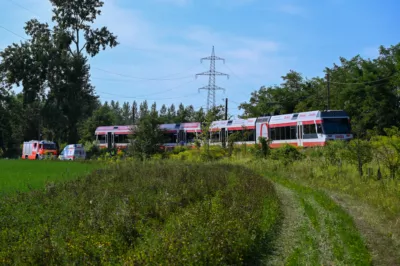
(287, 154)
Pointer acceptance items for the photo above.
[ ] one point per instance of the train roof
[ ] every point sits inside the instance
(307, 116)
(115, 129)
(188, 126)
(126, 129)
(235, 123)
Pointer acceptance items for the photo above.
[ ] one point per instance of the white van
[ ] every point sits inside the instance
(73, 152)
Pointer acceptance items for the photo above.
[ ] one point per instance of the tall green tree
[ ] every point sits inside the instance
(56, 59)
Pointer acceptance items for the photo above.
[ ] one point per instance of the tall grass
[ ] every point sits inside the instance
(143, 213)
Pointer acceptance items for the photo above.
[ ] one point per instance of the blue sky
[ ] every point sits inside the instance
(162, 42)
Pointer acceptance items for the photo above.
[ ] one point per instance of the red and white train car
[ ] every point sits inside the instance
(174, 134)
(113, 136)
(221, 130)
(180, 133)
(304, 129)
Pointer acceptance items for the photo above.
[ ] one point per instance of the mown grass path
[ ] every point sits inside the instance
(315, 230)
(382, 233)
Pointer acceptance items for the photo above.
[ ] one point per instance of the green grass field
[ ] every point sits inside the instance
(21, 175)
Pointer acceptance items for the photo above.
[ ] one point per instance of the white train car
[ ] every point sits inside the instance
(305, 129)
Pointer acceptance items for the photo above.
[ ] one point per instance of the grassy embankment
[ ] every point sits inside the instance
(25, 175)
(157, 212)
(331, 214)
(372, 205)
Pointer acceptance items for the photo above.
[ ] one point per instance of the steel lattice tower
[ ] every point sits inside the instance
(211, 87)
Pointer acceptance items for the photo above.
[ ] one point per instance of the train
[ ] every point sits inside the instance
(303, 129)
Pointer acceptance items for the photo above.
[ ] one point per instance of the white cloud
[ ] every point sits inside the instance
(371, 52)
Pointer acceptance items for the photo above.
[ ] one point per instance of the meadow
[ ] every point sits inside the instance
(240, 205)
(157, 212)
(24, 175)
(331, 214)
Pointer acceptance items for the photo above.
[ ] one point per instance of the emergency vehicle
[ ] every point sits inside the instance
(38, 149)
(72, 152)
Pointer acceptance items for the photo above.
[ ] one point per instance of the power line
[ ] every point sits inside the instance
(16, 34)
(366, 82)
(160, 92)
(118, 74)
(140, 78)
(134, 97)
(21, 6)
(211, 87)
(232, 71)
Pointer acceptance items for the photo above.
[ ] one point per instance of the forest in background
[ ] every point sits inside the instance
(59, 103)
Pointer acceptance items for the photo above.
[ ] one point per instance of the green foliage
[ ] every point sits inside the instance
(265, 149)
(366, 89)
(147, 138)
(203, 154)
(388, 149)
(143, 213)
(334, 151)
(359, 152)
(287, 154)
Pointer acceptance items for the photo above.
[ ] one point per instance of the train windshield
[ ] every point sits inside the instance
(336, 126)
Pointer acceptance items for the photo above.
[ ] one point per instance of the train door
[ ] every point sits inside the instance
(223, 137)
(181, 137)
(110, 140)
(299, 133)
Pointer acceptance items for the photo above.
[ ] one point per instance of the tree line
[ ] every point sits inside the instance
(59, 103)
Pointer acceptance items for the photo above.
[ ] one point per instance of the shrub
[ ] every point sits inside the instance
(287, 154)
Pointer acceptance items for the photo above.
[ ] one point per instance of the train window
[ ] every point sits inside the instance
(283, 133)
(215, 136)
(170, 137)
(287, 132)
(101, 138)
(319, 128)
(273, 134)
(121, 139)
(309, 131)
(293, 132)
(248, 135)
(278, 133)
(190, 137)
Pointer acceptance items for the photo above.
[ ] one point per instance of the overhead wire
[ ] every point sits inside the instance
(160, 92)
(360, 83)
